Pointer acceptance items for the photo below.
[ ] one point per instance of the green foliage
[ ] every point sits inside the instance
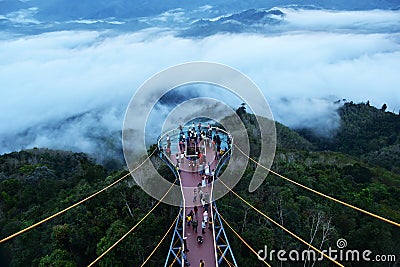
(298, 210)
(54, 181)
(347, 174)
(366, 132)
(359, 173)
(360, 169)
(58, 258)
(289, 139)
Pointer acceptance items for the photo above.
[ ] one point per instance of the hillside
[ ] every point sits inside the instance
(338, 175)
(366, 132)
(39, 182)
(344, 173)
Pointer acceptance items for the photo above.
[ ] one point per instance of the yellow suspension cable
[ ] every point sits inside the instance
(241, 239)
(179, 251)
(162, 239)
(72, 206)
(223, 240)
(134, 227)
(321, 194)
(226, 260)
(282, 227)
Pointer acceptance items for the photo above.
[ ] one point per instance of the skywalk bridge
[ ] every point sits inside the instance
(196, 158)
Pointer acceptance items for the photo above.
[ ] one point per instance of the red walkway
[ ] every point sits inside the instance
(189, 181)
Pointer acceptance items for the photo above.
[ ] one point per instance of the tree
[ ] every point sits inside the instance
(61, 235)
(58, 258)
(241, 110)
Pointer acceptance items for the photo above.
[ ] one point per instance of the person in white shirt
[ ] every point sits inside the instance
(203, 227)
(205, 216)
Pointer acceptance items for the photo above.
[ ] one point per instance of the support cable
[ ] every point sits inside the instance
(179, 251)
(226, 260)
(74, 205)
(244, 242)
(319, 193)
(162, 239)
(282, 227)
(133, 228)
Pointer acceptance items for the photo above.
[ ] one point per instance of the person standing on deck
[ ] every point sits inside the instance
(207, 197)
(209, 135)
(185, 248)
(201, 194)
(215, 151)
(203, 227)
(188, 219)
(200, 159)
(205, 216)
(203, 182)
(196, 138)
(168, 141)
(202, 263)
(201, 169)
(194, 195)
(207, 169)
(194, 224)
(203, 203)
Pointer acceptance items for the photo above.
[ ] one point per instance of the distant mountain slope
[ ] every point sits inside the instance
(364, 131)
(243, 21)
(63, 10)
(135, 8)
(286, 138)
(387, 157)
(39, 163)
(289, 139)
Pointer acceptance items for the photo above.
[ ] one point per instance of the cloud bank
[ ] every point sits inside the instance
(59, 89)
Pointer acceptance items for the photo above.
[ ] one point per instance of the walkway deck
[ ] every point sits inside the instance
(190, 178)
(189, 181)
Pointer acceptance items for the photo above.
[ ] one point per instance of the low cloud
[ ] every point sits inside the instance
(48, 79)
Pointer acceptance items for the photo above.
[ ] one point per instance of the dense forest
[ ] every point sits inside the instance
(359, 165)
(39, 182)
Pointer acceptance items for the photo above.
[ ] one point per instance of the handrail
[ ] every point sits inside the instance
(168, 132)
(173, 137)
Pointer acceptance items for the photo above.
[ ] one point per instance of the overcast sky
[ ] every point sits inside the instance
(319, 57)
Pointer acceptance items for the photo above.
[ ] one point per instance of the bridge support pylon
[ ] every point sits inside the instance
(225, 256)
(175, 256)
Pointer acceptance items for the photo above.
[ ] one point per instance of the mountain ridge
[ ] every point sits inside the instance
(36, 183)
(365, 131)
